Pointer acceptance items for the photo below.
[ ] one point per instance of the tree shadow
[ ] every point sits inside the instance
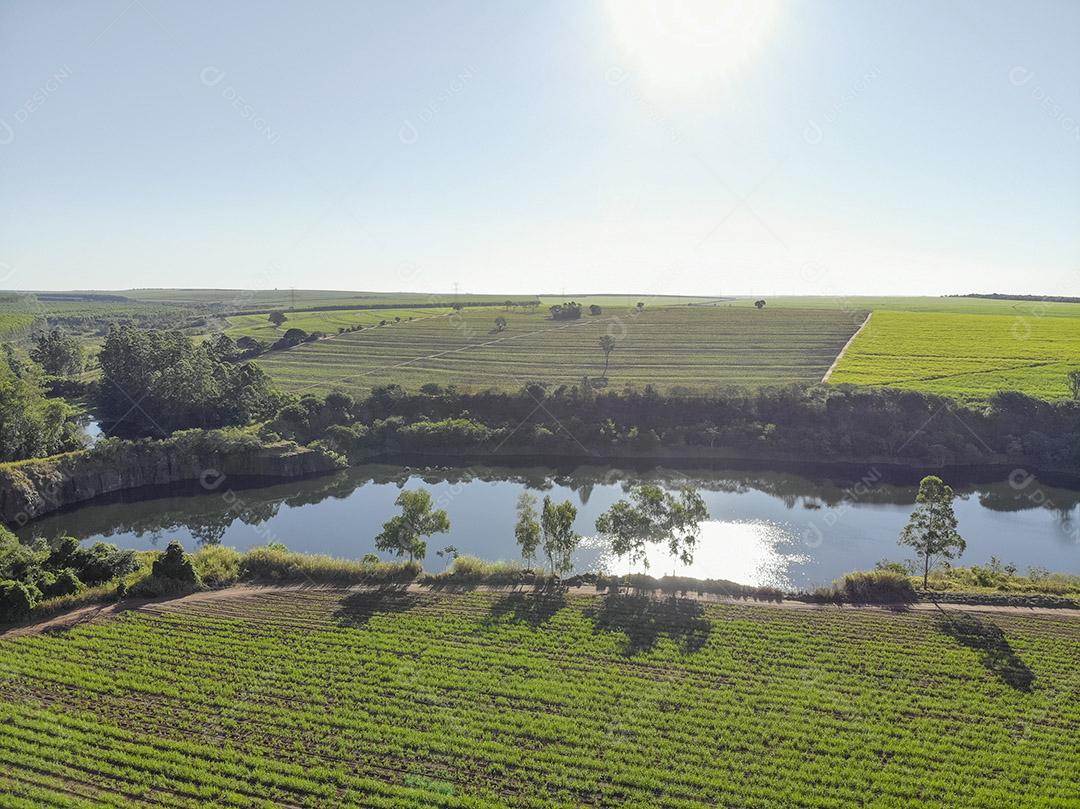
(534, 607)
(357, 608)
(644, 620)
(984, 636)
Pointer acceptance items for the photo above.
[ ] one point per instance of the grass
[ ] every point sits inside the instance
(695, 348)
(13, 324)
(959, 306)
(384, 698)
(967, 356)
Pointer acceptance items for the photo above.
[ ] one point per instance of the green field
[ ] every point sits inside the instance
(969, 356)
(697, 348)
(316, 698)
(259, 327)
(960, 306)
(13, 324)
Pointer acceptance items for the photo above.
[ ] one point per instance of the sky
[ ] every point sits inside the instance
(708, 147)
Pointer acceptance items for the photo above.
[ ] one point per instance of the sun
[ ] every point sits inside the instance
(688, 45)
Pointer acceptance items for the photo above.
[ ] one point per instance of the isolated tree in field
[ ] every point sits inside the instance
(277, 318)
(760, 304)
(500, 323)
(527, 530)
(653, 516)
(607, 345)
(931, 531)
(404, 533)
(594, 309)
(1074, 383)
(640, 306)
(560, 539)
(508, 305)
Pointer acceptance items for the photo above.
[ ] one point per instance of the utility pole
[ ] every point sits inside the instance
(292, 297)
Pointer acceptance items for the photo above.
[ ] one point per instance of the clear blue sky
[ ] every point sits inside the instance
(684, 147)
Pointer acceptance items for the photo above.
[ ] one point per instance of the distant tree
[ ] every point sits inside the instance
(760, 303)
(508, 304)
(640, 306)
(1074, 383)
(58, 354)
(607, 345)
(527, 530)
(594, 309)
(404, 533)
(457, 307)
(277, 318)
(566, 311)
(653, 516)
(931, 530)
(560, 539)
(500, 323)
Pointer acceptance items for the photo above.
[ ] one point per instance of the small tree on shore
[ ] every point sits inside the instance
(404, 533)
(931, 531)
(527, 530)
(560, 539)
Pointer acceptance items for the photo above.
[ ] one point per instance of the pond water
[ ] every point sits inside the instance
(787, 529)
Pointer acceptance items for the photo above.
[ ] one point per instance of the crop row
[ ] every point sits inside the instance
(482, 699)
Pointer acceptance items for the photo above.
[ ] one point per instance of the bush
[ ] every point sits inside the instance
(160, 586)
(176, 565)
(16, 600)
(216, 565)
(875, 586)
(64, 583)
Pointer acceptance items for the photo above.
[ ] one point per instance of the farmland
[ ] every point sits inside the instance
(968, 356)
(400, 699)
(696, 348)
(259, 327)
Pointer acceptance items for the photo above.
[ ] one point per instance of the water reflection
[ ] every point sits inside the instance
(769, 528)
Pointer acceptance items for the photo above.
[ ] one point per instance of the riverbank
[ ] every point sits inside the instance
(32, 488)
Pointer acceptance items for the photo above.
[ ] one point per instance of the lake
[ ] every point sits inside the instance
(786, 529)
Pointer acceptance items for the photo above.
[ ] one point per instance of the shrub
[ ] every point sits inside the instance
(476, 571)
(176, 565)
(876, 586)
(65, 582)
(16, 600)
(217, 565)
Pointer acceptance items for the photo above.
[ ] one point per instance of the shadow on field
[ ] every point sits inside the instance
(644, 620)
(533, 607)
(998, 656)
(356, 609)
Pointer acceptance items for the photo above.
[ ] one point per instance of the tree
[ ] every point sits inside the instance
(560, 539)
(931, 531)
(404, 533)
(1074, 383)
(58, 354)
(607, 345)
(594, 309)
(653, 516)
(527, 530)
(277, 318)
(32, 425)
(640, 306)
(760, 304)
(500, 323)
(175, 564)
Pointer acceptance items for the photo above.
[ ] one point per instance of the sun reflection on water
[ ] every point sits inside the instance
(756, 553)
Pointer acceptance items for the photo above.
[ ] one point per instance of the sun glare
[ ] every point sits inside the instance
(687, 45)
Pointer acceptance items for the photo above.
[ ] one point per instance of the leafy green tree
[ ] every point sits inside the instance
(404, 533)
(277, 318)
(500, 323)
(653, 516)
(31, 425)
(607, 345)
(559, 538)
(931, 530)
(527, 530)
(594, 309)
(58, 353)
(760, 304)
(16, 600)
(160, 381)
